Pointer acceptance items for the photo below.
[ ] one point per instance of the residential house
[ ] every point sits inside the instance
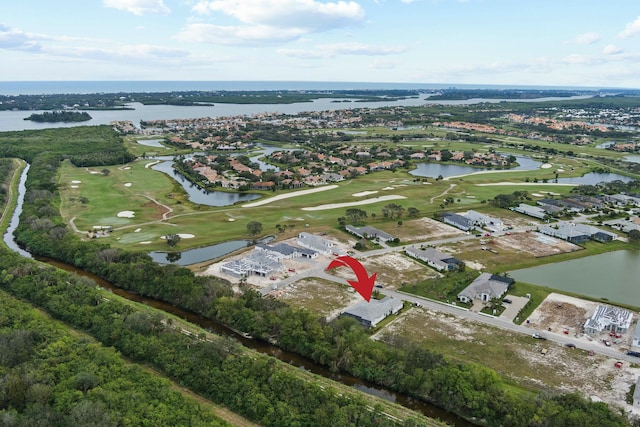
(367, 232)
(434, 258)
(316, 243)
(369, 314)
(533, 211)
(486, 287)
(457, 220)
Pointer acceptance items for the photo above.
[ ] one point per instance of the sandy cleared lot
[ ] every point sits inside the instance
(536, 244)
(393, 270)
(422, 229)
(327, 299)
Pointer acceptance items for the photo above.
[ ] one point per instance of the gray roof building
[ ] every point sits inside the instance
(434, 258)
(367, 232)
(485, 287)
(457, 220)
(533, 211)
(373, 312)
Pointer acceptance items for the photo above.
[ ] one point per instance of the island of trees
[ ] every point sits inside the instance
(64, 116)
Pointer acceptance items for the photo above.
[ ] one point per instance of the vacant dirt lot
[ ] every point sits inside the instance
(422, 229)
(536, 244)
(394, 270)
(327, 299)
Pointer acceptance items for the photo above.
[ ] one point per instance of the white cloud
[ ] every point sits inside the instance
(378, 64)
(237, 35)
(138, 7)
(611, 50)
(586, 38)
(275, 20)
(361, 49)
(342, 49)
(632, 29)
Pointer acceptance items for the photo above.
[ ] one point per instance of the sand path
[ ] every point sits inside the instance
(349, 204)
(289, 195)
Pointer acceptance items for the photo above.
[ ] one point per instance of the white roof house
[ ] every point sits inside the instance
(316, 243)
(256, 263)
(375, 311)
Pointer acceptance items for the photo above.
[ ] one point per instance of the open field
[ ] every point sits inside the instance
(394, 270)
(420, 230)
(322, 297)
(516, 356)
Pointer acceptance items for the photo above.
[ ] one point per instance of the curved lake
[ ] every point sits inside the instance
(197, 194)
(434, 170)
(613, 275)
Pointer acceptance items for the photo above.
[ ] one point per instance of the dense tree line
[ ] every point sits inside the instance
(256, 386)
(49, 377)
(82, 145)
(411, 368)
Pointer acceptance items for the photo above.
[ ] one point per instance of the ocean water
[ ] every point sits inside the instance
(58, 87)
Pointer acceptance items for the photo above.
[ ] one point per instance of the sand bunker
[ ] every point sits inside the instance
(231, 219)
(364, 193)
(560, 170)
(126, 214)
(182, 236)
(359, 203)
(288, 195)
(127, 184)
(145, 243)
(537, 195)
(148, 165)
(75, 181)
(74, 186)
(137, 230)
(545, 166)
(388, 188)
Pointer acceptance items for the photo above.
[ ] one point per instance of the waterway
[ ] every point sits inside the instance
(272, 350)
(8, 237)
(197, 194)
(14, 120)
(613, 276)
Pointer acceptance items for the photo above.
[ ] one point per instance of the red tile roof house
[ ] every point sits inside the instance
(266, 185)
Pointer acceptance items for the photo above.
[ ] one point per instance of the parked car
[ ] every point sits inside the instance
(570, 345)
(538, 336)
(607, 343)
(507, 301)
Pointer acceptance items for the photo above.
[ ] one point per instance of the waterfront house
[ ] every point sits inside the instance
(610, 318)
(486, 287)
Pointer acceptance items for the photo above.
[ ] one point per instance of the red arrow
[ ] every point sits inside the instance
(364, 284)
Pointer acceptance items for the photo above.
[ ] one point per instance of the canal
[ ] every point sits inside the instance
(303, 363)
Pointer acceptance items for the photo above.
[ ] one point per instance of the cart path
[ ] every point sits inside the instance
(443, 193)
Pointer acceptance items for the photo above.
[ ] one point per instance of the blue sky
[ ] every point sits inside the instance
(509, 42)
